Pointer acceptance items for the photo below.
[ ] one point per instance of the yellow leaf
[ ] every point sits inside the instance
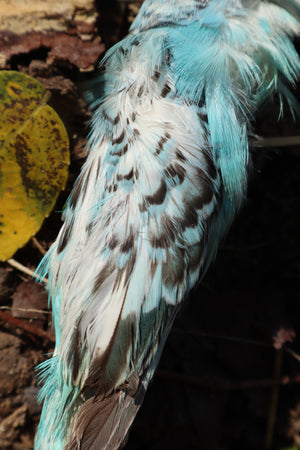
(34, 159)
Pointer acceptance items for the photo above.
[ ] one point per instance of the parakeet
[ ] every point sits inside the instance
(165, 175)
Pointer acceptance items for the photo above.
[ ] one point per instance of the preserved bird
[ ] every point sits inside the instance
(165, 174)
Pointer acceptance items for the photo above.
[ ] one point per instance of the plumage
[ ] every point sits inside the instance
(165, 175)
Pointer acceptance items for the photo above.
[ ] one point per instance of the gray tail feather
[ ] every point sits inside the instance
(103, 423)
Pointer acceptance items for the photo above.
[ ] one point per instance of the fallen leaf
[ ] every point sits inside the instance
(34, 159)
(282, 336)
(28, 299)
(11, 425)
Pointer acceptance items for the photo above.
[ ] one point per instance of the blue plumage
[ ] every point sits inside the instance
(165, 175)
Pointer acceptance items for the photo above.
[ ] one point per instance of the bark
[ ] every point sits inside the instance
(65, 29)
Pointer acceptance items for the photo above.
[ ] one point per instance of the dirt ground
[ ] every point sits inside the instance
(221, 382)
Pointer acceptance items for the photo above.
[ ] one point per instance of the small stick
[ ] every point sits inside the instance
(291, 352)
(33, 310)
(286, 141)
(26, 327)
(38, 245)
(224, 337)
(274, 400)
(24, 269)
(226, 385)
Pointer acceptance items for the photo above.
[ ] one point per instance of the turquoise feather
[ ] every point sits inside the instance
(165, 176)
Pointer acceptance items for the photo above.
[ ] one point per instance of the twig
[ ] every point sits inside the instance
(225, 338)
(238, 339)
(33, 310)
(286, 141)
(31, 329)
(20, 267)
(38, 245)
(274, 400)
(245, 248)
(24, 269)
(291, 352)
(226, 385)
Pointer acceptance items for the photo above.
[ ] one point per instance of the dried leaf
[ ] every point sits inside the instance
(34, 159)
(10, 426)
(28, 299)
(282, 336)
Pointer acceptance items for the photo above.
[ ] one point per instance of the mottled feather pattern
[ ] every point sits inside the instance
(165, 175)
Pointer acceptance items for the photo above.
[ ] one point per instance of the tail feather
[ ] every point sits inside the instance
(103, 423)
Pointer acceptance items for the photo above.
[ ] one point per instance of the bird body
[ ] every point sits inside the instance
(164, 177)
